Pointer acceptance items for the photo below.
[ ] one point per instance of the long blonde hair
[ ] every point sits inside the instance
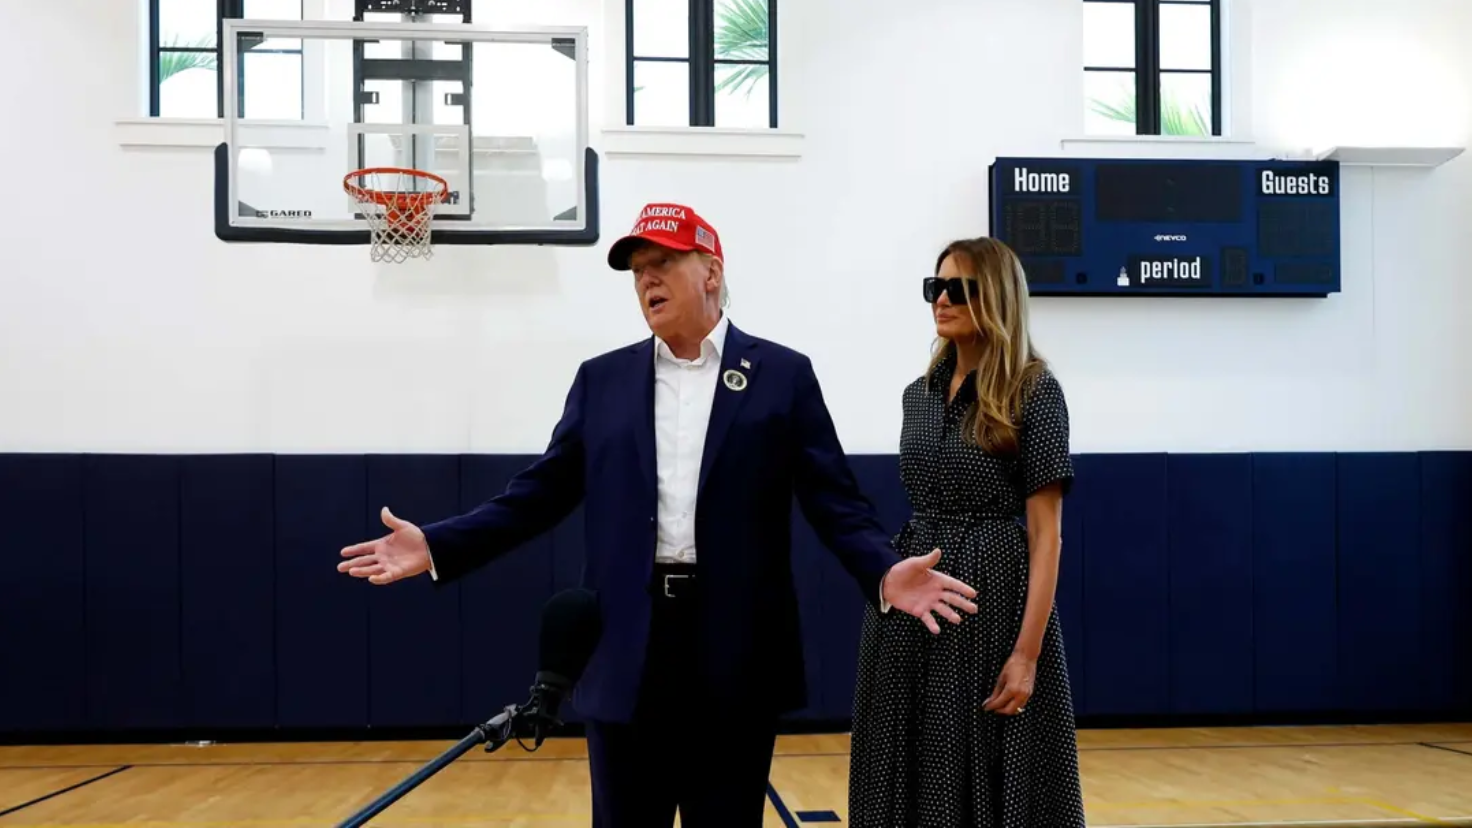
(1009, 364)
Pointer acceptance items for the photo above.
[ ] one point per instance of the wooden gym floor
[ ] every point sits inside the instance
(1362, 776)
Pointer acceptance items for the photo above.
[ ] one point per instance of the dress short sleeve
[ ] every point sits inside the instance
(1044, 437)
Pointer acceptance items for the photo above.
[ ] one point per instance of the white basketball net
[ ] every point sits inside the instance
(399, 206)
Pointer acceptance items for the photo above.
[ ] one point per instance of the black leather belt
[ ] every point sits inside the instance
(673, 582)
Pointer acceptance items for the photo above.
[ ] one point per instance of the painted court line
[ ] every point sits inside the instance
(1322, 745)
(583, 758)
(778, 756)
(1451, 749)
(63, 791)
(1409, 814)
(1402, 817)
(1343, 822)
(786, 814)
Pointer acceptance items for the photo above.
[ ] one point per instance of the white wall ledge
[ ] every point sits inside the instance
(701, 141)
(1390, 156)
(1154, 139)
(1218, 147)
(1167, 146)
(207, 133)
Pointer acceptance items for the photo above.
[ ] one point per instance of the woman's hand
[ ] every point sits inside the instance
(1014, 686)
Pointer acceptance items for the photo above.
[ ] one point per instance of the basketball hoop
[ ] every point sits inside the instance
(399, 205)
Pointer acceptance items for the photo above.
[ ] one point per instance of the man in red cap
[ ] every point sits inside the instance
(686, 450)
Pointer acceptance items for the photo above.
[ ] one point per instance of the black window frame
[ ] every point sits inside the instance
(1148, 71)
(224, 9)
(702, 62)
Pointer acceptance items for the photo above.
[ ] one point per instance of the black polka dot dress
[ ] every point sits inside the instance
(924, 752)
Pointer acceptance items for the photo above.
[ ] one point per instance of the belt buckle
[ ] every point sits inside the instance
(667, 578)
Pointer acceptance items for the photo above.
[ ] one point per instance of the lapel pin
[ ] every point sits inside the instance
(735, 381)
(745, 364)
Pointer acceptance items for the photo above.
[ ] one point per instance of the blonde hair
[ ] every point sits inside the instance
(1009, 364)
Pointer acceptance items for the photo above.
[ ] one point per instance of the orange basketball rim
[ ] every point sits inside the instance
(398, 203)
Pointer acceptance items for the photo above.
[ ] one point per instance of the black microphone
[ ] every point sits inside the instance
(571, 628)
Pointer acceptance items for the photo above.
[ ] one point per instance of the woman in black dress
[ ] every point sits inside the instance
(974, 726)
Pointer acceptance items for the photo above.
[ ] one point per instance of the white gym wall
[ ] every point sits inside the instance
(125, 325)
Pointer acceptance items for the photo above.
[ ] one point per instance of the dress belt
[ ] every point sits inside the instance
(969, 518)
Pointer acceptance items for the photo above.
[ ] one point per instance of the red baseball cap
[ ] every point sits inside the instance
(673, 226)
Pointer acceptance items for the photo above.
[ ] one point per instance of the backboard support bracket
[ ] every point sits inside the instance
(416, 8)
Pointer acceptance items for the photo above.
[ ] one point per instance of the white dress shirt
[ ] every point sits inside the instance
(684, 392)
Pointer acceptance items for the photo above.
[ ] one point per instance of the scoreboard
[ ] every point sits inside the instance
(1090, 227)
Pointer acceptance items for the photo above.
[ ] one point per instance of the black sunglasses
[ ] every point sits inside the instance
(952, 288)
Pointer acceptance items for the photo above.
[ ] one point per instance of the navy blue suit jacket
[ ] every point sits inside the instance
(765, 444)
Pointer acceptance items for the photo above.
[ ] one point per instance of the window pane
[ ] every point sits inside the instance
(1109, 35)
(662, 29)
(741, 30)
(1185, 103)
(187, 86)
(1109, 103)
(187, 23)
(661, 94)
(743, 96)
(272, 86)
(1185, 36)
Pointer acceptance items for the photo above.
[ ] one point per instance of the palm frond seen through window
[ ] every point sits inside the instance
(741, 35)
(172, 63)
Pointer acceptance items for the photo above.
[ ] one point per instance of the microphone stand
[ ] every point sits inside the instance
(515, 722)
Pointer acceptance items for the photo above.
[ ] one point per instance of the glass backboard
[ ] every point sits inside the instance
(501, 115)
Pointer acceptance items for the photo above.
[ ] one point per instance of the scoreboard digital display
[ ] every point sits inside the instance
(1170, 227)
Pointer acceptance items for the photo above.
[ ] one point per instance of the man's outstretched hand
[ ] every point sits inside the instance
(399, 555)
(914, 588)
